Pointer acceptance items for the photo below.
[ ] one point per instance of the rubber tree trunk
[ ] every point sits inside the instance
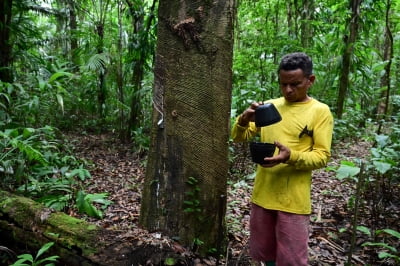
(185, 182)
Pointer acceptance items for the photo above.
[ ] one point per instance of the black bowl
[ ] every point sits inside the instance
(266, 114)
(260, 150)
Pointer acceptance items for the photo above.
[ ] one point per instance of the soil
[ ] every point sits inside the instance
(119, 171)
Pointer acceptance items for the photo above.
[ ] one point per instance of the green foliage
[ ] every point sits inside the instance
(347, 170)
(26, 150)
(35, 163)
(170, 261)
(29, 260)
(382, 167)
(141, 139)
(192, 204)
(387, 251)
(385, 156)
(85, 203)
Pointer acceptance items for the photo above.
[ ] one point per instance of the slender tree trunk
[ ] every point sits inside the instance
(347, 54)
(139, 26)
(100, 28)
(290, 19)
(120, 77)
(73, 26)
(6, 74)
(387, 56)
(188, 159)
(102, 90)
(383, 105)
(307, 15)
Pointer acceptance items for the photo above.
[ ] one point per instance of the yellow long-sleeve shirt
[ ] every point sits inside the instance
(306, 129)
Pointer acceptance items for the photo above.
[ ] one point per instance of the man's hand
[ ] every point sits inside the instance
(282, 157)
(249, 114)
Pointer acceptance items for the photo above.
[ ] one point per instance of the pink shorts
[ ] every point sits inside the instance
(278, 236)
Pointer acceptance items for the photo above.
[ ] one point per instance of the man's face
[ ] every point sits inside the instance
(294, 85)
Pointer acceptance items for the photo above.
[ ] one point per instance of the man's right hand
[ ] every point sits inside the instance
(249, 114)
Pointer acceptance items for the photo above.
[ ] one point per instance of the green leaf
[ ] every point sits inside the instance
(347, 169)
(98, 198)
(382, 140)
(83, 174)
(390, 232)
(43, 249)
(187, 202)
(26, 257)
(20, 262)
(382, 167)
(57, 75)
(51, 258)
(84, 205)
(364, 229)
(384, 255)
(384, 245)
(27, 132)
(170, 261)
(60, 101)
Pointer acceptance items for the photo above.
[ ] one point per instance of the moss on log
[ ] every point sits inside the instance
(26, 223)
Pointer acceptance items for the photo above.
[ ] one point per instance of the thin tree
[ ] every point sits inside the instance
(141, 49)
(184, 194)
(387, 56)
(350, 41)
(6, 74)
(307, 15)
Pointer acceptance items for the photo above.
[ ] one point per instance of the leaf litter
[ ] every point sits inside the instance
(119, 171)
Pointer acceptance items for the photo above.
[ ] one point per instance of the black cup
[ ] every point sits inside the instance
(260, 150)
(266, 114)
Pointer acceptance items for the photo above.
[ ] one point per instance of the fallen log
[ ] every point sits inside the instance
(28, 225)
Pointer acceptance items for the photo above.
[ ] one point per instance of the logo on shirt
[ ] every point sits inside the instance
(305, 130)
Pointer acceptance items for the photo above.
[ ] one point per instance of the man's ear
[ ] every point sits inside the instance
(311, 78)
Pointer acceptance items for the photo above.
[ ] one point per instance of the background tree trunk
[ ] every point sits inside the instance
(73, 27)
(387, 57)
(383, 105)
(5, 42)
(188, 159)
(347, 54)
(307, 15)
(141, 49)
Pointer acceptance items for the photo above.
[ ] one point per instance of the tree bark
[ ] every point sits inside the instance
(188, 159)
(6, 74)
(347, 54)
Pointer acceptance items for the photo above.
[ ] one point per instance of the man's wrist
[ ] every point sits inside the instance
(241, 122)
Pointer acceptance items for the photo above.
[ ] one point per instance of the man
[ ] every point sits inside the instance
(280, 202)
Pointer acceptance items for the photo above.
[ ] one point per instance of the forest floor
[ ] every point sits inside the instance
(120, 172)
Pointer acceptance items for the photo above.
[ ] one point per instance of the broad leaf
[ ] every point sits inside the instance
(347, 169)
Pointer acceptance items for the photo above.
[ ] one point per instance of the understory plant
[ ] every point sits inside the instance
(386, 240)
(37, 164)
(376, 180)
(29, 260)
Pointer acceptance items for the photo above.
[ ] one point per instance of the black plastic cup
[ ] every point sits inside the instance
(260, 150)
(266, 114)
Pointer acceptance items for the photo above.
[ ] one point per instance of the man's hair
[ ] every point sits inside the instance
(295, 61)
